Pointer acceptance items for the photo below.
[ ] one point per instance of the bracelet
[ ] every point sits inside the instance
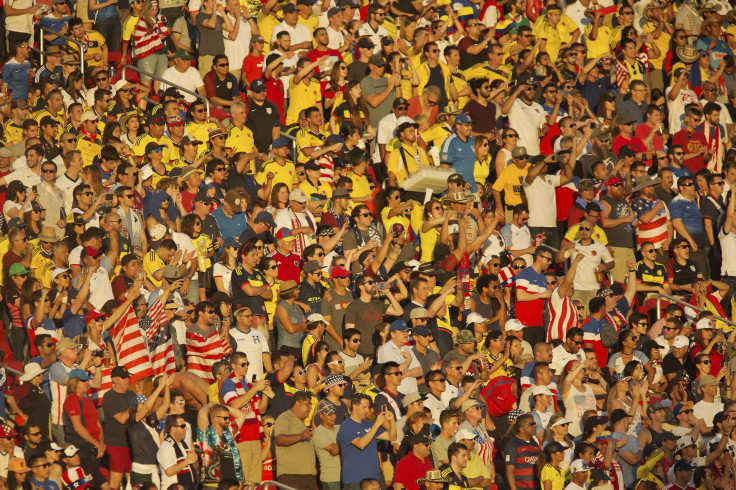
(632, 270)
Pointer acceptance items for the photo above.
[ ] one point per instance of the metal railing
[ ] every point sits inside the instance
(168, 83)
(293, 146)
(270, 483)
(68, 39)
(685, 304)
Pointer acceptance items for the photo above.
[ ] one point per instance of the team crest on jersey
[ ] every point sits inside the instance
(692, 268)
(268, 111)
(659, 272)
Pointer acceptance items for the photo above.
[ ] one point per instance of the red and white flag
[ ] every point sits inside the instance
(130, 345)
(160, 345)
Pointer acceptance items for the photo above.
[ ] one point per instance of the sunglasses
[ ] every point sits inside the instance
(49, 171)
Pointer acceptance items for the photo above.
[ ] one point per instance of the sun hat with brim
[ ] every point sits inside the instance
(649, 9)
(688, 53)
(706, 25)
(731, 16)
(31, 370)
(413, 398)
(18, 269)
(287, 287)
(458, 197)
(643, 182)
(433, 476)
(334, 379)
(18, 465)
(706, 7)
(340, 194)
(124, 119)
(47, 235)
(468, 404)
(449, 110)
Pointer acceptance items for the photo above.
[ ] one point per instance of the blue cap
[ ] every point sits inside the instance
(231, 241)
(398, 326)
(265, 217)
(80, 374)
(279, 142)
(16, 223)
(462, 118)
(333, 139)
(258, 84)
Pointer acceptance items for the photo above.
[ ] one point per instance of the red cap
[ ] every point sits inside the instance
(613, 181)
(7, 431)
(93, 314)
(90, 252)
(339, 271)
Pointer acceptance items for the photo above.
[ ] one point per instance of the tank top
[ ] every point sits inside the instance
(484, 310)
(296, 315)
(620, 235)
(576, 403)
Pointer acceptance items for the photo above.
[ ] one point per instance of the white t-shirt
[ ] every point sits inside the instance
(67, 187)
(190, 79)
(526, 119)
(386, 128)
(595, 254)
(376, 36)
(253, 344)
(166, 458)
(706, 411)
(560, 358)
(186, 245)
(728, 247)
(677, 107)
(336, 38)
(299, 34)
(12, 205)
(391, 352)
(540, 195)
(225, 274)
(237, 50)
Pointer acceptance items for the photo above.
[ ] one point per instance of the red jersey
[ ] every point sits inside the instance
(691, 142)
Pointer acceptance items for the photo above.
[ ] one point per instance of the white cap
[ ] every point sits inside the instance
(476, 318)
(514, 325)
(298, 195)
(120, 84)
(683, 442)
(89, 116)
(146, 172)
(562, 421)
(158, 232)
(316, 317)
(464, 434)
(578, 466)
(541, 390)
(404, 119)
(704, 324)
(680, 342)
(58, 271)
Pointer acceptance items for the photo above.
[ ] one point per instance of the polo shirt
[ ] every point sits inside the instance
(692, 219)
(530, 313)
(410, 468)
(282, 174)
(261, 121)
(510, 181)
(461, 154)
(289, 266)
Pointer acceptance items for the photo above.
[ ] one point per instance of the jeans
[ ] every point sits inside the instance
(153, 63)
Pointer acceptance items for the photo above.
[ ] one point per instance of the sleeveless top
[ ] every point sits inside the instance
(484, 310)
(620, 235)
(576, 403)
(296, 315)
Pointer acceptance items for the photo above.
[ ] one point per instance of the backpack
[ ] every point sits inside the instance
(498, 396)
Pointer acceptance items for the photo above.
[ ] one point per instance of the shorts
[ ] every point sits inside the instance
(120, 461)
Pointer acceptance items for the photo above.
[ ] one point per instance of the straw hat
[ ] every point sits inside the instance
(449, 110)
(647, 14)
(688, 53)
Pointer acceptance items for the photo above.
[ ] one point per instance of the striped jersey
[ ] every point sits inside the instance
(203, 350)
(96, 394)
(656, 230)
(523, 455)
(530, 313)
(562, 316)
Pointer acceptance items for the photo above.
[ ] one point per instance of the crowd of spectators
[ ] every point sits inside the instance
(438, 244)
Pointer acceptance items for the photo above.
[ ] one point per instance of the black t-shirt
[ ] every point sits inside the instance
(670, 365)
(357, 71)
(114, 403)
(261, 121)
(142, 443)
(240, 277)
(682, 274)
(312, 296)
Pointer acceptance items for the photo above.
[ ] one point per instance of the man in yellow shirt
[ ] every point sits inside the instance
(554, 35)
(597, 36)
(660, 33)
(304, 91)
(493, 69)
(155, 134)
(280, 166)
(88, 140)
(409, 157)
(311, 139)
(510, 181)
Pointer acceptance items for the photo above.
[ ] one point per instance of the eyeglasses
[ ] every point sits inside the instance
(88, 193)
(157, 150)
(220, 169)
(337, 362)
(679, 153)
(243, 364)
(395, 373)
(688, 184)
(268, 424)
(34, 434)
(577, 342)
(402, 108)
(299, 373)
(101, 79)
(512, 135)
(548, 257)
(364, 215)
(69, 140)
(49, 170)
(669, 328)
(223, 64)
(44, 465)
(614, 185)
(517, 267)
(705, 361)
(182, 426)
(355, 341)
(441, 380)
(585, 228)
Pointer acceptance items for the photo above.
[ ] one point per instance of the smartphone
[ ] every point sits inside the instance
(33, 189)
(380, 286)
(253, 379)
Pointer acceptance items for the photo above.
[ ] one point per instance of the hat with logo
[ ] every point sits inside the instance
(704, 324)
(579, 466)
(190, 140)
(614, 180)
(298, 195)
(92, 315)
(463, 119)
(683, 442)
(680, 342)
(682, 465)
(70, 451)
(654, 407)
(183, 54)
(120, 372)
(404, 123)
(681, 407)
(365, 42)
(325, 406)
(514, 325)
(519, 152)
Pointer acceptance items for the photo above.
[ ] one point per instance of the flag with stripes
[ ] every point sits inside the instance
(130, 345)
(158, 336)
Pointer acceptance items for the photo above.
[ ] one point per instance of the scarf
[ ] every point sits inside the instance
(90, 136)
(251, 410)
(211, 440)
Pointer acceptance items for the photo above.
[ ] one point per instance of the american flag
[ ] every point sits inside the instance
(131, 347)
(158, 336)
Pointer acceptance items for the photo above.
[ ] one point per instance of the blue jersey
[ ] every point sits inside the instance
(462, 157)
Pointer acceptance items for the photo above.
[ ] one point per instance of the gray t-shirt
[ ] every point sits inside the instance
(299, 458)
(335, 309)
(439, 450)
(426, 360)
(372, 86)
(329, 465)
(210, 40)
(180, 27)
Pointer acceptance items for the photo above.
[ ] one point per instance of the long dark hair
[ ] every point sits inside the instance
(356, 106)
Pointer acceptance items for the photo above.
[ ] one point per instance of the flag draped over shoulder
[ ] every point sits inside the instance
(159, 341)
(130, 345)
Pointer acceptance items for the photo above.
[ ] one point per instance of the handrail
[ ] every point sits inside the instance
(69, 39)
(170, 84)
(270, 483)
(293, 147)
(684, 303)
(13, 371)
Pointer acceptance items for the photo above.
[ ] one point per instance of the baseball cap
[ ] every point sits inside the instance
(398, 326)
(325, 407)
(18, 269)
(617, 415)
(93, 314)
(680, 342)
(298, 195)
(708, 380)
(519, 152)
(183, 54)
(120, 372)
(284, 234)
(419, 313)
(579, 466)
(377, 59)
(614, 180)
(279, 142)
(463, 118)
(654, 407)
(514, 325)
(365, 42)
(421, 330)
(704, 324)
(339, 271)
